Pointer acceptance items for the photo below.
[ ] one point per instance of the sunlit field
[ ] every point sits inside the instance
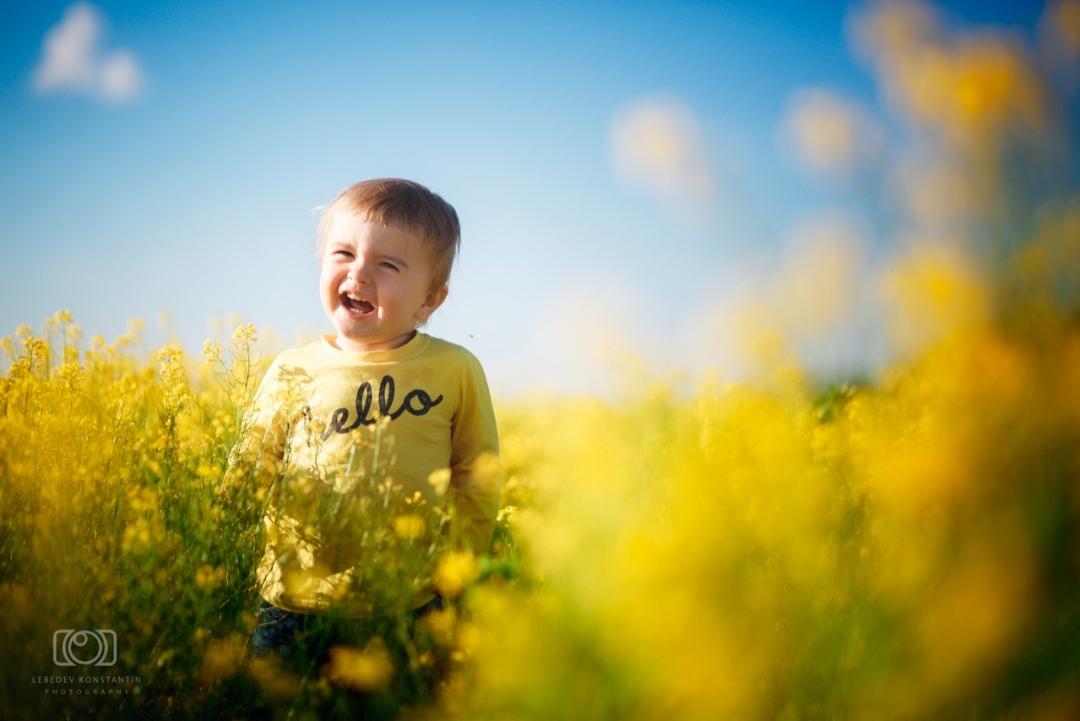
(901, 544)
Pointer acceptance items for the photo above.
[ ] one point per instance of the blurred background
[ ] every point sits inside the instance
(634, 179)
(865, 215)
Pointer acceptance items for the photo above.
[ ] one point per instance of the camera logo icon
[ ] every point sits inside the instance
(84, 648)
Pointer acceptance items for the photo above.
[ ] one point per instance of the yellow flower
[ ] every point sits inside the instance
(143, 499)
(274, 682)
(223, 658)
(455, 571)
(63, 317)
(211, 350)
(208, 577)
(207, 472)
(440, 481)
(441, 624)
(245, 334)
(365, 670)
(408, 527)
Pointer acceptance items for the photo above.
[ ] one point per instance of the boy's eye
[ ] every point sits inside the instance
(343, 253)
(388, 264)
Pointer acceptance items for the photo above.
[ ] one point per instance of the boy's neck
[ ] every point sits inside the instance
(383, 345)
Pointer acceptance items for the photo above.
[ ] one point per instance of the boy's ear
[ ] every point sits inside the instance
(433, 300)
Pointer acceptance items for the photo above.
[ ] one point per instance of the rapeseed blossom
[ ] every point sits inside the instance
(900, 545)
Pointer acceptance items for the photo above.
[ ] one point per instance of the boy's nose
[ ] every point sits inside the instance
(357, 275)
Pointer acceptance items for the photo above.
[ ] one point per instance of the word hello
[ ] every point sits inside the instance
(416, 402)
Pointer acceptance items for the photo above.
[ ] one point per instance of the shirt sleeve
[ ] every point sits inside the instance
(475, 471)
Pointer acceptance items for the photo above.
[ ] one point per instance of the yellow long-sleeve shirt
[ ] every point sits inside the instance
(333, 432)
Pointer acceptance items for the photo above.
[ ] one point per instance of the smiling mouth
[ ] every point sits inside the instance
(357, 306)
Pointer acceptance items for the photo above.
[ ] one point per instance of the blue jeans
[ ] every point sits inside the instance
(308, 637)
(302, 642)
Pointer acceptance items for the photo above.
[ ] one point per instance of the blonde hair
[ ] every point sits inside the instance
(401, 204)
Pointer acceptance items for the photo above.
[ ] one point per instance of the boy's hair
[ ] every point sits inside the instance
(401, 204)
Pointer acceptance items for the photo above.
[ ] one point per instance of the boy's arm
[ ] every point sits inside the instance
(475, 472)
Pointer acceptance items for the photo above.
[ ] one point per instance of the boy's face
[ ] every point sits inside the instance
(375, 283)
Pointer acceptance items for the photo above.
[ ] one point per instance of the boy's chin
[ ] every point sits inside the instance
(351, 333)
(346, 335)
(380, 341)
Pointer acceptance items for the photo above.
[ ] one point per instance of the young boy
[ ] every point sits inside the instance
(374, 402)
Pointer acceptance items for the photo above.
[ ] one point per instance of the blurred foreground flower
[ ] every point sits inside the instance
(456, 570)
(366, 669)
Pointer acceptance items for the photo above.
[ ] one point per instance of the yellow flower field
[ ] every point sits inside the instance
(900, 545)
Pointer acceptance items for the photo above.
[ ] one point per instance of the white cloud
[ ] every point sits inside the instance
(73, 61)
(657, 144)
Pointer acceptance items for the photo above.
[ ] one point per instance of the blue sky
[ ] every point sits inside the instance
(193, 193)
